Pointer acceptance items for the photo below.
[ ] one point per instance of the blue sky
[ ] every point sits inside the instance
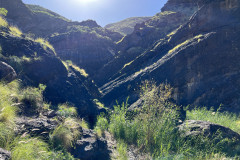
(103, 11)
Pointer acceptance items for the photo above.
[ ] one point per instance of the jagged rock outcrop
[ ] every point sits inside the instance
(35, 126)
(126, 26)
(200, 60)
(7, 73)
(91, 147)
(145, 35)
(4, 155)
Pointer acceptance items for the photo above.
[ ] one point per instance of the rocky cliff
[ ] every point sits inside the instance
(200, 60)
(126, 26)
(146, 35)
(35, 63)
(95, 45)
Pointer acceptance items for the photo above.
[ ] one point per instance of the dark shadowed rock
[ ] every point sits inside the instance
(4, 155)
(35, 126)
(91, 147)
(200, 61)
(145, 36)
(7, 73)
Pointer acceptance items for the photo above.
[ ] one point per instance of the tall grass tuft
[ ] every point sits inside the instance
(15, 31)
(29, 149)
(64, 135)
(3, 22)
(45, 44)
(66, 111)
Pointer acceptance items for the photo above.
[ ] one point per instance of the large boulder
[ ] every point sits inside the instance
(4, 154)
(195, 128)
(217, 134)
(91, 147)
(7, 73)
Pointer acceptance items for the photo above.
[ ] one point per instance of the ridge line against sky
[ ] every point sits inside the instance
(102, 11)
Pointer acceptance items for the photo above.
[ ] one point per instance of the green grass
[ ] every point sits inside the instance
(69, 63)
(29, 149)
(152, 128)
(45, 44)
(3, 11)
(66, 111)
(122, 151)
(3, 22)
(226, 119)
(8, 94)
(15, 31)
(7, 135)
(101, 125)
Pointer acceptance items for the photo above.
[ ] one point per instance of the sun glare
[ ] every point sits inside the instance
(85, 1)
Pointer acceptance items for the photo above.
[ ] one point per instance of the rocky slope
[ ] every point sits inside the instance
(95, 45)
(126, 26)
(35, 63)
(200, 60)
(146, 35)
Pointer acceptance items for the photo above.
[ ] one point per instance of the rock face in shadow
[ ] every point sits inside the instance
(145, 36)
(38, 65)
(7, 73)
(200, 60)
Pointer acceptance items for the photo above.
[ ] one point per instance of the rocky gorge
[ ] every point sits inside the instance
(62, 88)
